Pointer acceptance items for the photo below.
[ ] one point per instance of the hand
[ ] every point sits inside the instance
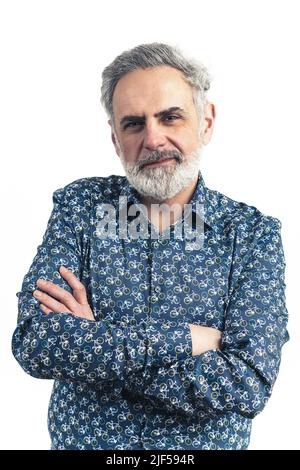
(204, 338)
(61, 300)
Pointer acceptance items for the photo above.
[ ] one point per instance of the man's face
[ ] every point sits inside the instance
(157, 131)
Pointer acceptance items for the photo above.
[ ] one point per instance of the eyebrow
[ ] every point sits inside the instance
(160, 114)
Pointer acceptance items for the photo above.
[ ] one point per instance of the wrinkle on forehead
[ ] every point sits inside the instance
(151, 90)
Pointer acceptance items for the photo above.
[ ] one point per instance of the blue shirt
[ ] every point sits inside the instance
(128, 380)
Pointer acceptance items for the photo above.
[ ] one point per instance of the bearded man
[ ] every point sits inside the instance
(154, 341)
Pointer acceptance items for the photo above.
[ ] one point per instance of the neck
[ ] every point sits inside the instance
(173, 206)
(183, 197)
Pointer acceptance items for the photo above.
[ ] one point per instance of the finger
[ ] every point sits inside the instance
(79, 291)
(58, 293)
(45, 309)
(50, 303)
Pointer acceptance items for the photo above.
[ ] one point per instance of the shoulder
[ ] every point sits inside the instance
(239, 216)
(255, 236)
(89, 190)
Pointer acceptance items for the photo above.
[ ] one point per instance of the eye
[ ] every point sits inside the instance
(132, 124)
(171, 117)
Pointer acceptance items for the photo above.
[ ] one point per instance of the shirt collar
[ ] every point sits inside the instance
(201, 195)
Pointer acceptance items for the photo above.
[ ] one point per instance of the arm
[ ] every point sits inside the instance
(64, 346)
(204, 339)
(239, 375)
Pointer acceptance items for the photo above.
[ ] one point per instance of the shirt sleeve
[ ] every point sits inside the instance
(63, 346)
(239, 376)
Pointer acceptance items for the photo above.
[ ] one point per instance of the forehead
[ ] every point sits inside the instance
(147, 89)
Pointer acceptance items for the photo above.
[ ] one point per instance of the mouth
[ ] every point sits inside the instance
(165, 162)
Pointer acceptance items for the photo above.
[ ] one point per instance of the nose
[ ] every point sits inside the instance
(154, 137)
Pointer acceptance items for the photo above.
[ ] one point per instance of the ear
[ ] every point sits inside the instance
(209, 121)
(114, 139)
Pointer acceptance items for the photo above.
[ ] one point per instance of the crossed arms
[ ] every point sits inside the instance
(56, 299)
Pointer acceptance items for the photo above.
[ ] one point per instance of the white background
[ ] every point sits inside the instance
(53, 131)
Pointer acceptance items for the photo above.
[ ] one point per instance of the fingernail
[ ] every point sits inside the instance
(36, 293)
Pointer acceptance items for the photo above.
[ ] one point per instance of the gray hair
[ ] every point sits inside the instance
(152, 55)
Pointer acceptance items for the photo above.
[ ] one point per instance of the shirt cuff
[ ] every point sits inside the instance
(168, 342)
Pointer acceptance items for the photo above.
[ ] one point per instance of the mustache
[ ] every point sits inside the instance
(159, 156)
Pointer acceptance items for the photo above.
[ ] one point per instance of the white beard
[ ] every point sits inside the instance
(163, 182)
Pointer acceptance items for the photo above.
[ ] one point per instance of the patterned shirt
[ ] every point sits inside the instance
(128, 380)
